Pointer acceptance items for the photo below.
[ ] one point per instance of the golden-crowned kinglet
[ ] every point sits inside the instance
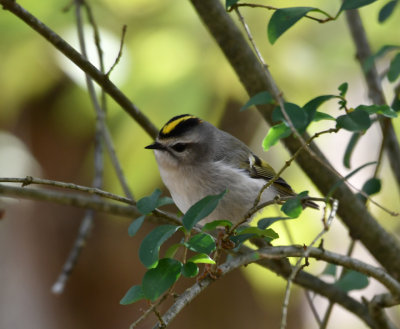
(197, 159)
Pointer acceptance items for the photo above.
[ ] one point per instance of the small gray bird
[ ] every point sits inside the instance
(197, 159)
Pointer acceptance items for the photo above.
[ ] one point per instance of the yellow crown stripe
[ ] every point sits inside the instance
(170, 126)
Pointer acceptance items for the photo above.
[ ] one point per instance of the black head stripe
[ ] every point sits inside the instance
(178, 125)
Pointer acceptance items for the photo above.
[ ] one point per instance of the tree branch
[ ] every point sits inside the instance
(375, 89)
(85, 202)
(101, 78)
(303, 279)
(253, 77)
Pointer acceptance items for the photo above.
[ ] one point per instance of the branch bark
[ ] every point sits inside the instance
(382, 245)
(375, 89)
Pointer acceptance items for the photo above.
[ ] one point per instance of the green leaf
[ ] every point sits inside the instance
(297, 115)
(263, 97)
(330, 269)
(396, 103)
(275, 133)
(171, 251)
(214, 224)
(394, 68)
(133, 295)
(201, 209)
(372, 186)
(354, 4)
(319, 116)
(238, 240)
(201, 259)
(294, 207)
(229, 3)
(311, 107)
(266, 222)
(158, 280)
(350, 148)
(343, 89)
(190, 270)
(387, 10)
(135, 225)
(369, 62)
(385, 110)
(150, 246)
(340, 181)
(283, 19)
(147, 204)
(352, 280)
(202, 243)
(256, 231)
(164, 201)
(357, 120)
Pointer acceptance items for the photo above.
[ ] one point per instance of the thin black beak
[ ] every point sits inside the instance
(155, 146)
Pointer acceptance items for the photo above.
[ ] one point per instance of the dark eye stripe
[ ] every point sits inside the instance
(179, 147)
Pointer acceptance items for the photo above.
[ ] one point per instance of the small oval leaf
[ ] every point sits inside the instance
(202, 243)
(158, 280)
(263, 97)
(275, 133)
(133, 295)
(350, 148)
(201, 209)
(266, 222)
(357, 120)
(216, 223)
(148, 203)
(294, 207)
(354, 4)
(387, 10)
(201, 259)
(297, 115)
(394, 68)
(135, 225)
(190, 270)
(150, 246)
(283, 19)
(352, 280)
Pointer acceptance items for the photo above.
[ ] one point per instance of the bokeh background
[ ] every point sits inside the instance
(170, 65)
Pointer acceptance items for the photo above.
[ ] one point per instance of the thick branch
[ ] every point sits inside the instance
(303, 279)
(82, 201)
(375, 89)
(351, 263)
(101, 78)
(384, 247)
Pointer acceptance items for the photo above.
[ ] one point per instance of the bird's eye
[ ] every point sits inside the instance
(179, 147)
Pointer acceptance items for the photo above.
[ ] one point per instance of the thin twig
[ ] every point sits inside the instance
(87, 222)
(100, 52)
(79, 243)
(312, 307)
(28, 180)
(99, 111)
(289, 162)
(85, 202)
(298, 265)
(328, 311)
(254, 5)
(148, 312)
(276, 93)
(82, 63)
(124, 27)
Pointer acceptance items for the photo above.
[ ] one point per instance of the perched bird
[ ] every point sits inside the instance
(197, 159)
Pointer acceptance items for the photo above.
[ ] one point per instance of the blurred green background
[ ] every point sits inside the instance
(170, 65)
